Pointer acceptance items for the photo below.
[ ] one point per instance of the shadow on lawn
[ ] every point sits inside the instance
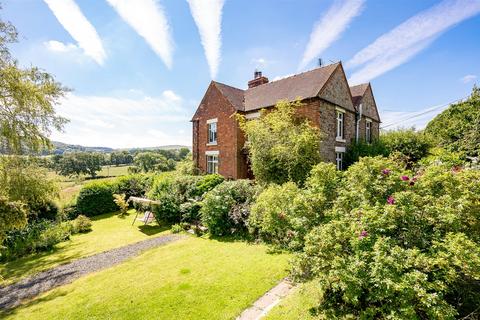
(15, 269)
(152, 230)
(47, 297)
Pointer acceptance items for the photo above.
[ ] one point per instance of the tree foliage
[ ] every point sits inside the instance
(151, 161)
(80, 163)
(27, 100)
(408, 144)
(458, 127)
(282, 146)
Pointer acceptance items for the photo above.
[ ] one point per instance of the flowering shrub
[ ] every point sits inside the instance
(398, 244)
(222, 199)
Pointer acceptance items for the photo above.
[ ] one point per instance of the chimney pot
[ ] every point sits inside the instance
(258, 79)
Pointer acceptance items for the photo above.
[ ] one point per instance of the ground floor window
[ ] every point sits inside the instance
(212, 164)
(339, 160)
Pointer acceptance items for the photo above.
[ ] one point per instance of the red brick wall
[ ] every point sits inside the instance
(214, 105)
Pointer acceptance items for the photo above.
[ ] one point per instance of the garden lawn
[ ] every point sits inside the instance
(193, 278)
(108, 232)
(297, 305)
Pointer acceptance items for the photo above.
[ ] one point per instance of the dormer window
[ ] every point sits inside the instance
(212, 131)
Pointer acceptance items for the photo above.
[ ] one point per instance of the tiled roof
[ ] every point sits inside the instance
(304, 85)
(357, 93)
(234, 95)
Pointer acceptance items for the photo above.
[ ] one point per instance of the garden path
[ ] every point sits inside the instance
(12, 295)
(266, 302)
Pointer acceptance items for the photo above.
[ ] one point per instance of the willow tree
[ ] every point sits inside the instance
(282, 146)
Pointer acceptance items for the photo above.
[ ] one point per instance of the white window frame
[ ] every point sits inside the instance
(212, 135)
(368, 130)
(340, 124)
(211, 157)
(339, 160)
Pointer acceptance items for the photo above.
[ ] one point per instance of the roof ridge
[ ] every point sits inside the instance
(226, 85)
(298, 74)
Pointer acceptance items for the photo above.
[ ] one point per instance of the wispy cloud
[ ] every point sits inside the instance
(72, 19)
(131, 120)
(57, 46)
(149, 20)
(409, 38)
(208, 17)
(330, 27)
(469, 78)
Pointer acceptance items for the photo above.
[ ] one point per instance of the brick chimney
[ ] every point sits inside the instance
(258, 79)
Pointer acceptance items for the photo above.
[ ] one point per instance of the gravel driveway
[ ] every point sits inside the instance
(12, 295)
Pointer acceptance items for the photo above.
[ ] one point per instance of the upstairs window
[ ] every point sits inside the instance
(212, 164)
(368, 131)
(212, 131)
(340, 124)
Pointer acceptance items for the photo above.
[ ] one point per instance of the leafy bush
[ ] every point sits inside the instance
(407, 142)
(218, 203)
(282, 146)
(397, 244)
(283, 215)
(81, 224)
(13, 216)
(180, 195)
(134, 185)
(361, 148)
(440, 156)
(176, 228)
(458, 127)
(273, 212)
(34, 237)
(23, 180)
(96, 198)
(172, 191)
(207, 183)
(121, 203)
(52, 235)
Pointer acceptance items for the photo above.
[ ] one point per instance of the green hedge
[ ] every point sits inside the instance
(97, 198)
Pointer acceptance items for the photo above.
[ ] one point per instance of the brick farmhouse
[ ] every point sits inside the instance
(342, 113)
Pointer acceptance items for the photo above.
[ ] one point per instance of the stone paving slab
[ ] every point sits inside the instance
(12, 295)
(266, 302)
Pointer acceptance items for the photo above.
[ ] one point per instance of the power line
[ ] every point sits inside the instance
(421, 113)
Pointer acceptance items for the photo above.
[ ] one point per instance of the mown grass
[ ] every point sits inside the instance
(298, 305)
(108, 232)
(193, 278)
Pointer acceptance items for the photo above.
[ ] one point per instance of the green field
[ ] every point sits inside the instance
(70, 186)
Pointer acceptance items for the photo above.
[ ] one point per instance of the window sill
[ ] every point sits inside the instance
(340, 140)
(212, 144)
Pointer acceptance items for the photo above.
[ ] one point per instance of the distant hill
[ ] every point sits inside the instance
(60, 148)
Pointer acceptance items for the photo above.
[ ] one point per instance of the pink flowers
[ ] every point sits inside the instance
(386, 172)
(363, 234)
(390, 200)
(405, 178)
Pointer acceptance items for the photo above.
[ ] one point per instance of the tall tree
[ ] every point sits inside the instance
(27, 116)
(27, 101)
(458, 127)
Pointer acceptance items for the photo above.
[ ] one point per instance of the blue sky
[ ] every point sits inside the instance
(139, 68)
